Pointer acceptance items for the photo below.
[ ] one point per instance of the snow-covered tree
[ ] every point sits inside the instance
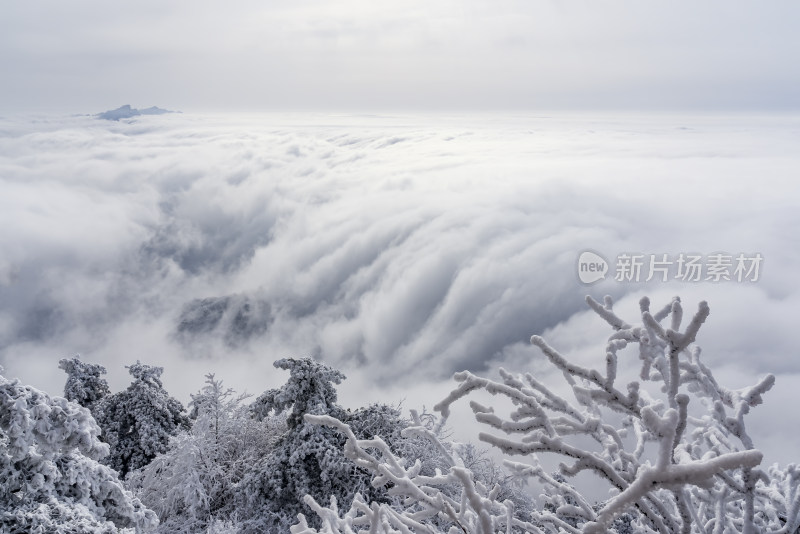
(138, 422)
(192, 486)
(310, 389)
(675, 466)
(85, 384)
(308, 459)
(50, 476)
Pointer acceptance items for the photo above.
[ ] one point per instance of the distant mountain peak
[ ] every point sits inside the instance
(126, 112)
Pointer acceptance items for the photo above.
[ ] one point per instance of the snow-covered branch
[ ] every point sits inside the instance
(475, 509)
(670, 443)
(675, 453)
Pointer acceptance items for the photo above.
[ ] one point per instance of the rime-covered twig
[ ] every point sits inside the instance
(476, 512)
(692, 455)
(675, 465)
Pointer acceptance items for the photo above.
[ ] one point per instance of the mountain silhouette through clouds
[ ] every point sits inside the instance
(126, 112)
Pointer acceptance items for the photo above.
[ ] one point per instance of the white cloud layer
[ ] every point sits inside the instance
(400, 248)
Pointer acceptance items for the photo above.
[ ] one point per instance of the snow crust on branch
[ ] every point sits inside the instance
(676, 472)
(672, 446)
(475, 510)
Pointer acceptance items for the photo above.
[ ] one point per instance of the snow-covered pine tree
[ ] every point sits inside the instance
(192, 486)
(310, 389)
(308, 459)
(138, 422)
(85, 384)
(51, 479)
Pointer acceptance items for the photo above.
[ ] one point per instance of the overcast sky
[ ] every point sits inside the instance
(90, 55)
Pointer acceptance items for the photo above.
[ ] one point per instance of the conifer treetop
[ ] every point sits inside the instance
(85, 384)
(148, 374)
(310, 389)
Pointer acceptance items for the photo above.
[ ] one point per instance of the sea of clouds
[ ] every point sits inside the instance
(399, 248)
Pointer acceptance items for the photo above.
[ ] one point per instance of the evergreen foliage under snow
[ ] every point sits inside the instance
(307, 459)
(137, 423)
(85, 384)
(50, 476)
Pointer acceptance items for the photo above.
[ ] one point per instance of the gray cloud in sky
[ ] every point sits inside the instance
(355, 54)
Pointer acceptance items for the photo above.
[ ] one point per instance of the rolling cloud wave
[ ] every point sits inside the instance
(402, 248)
